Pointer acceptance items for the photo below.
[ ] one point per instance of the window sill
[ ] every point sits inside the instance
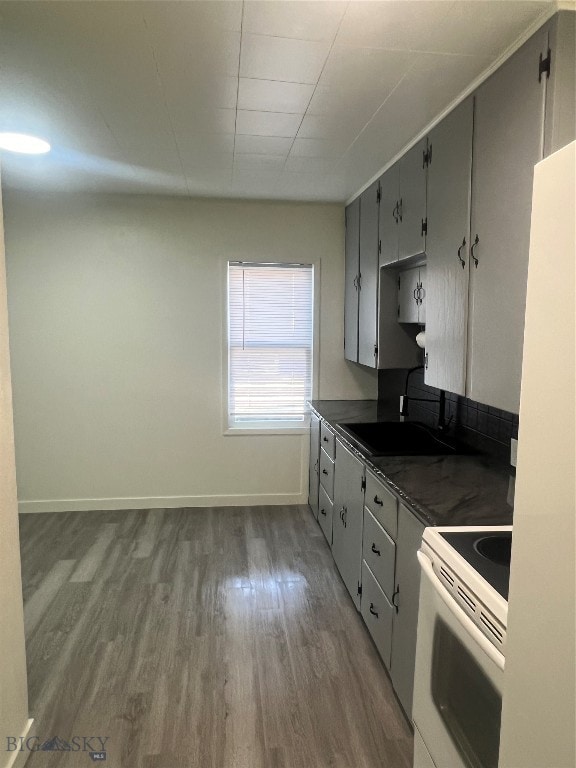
(243, 431)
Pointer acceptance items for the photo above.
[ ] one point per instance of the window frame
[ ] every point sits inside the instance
(275, 428)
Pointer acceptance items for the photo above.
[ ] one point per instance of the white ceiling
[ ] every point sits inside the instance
(281, 100)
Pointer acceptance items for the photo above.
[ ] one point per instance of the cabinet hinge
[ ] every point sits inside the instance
(424, 158)
(379, 247)
(424, 227)
(359, 588)
(398, 313)
(544, 65)
(429, 158)
(426, 361)
(378, 195)
(363, 484)
(375, 355)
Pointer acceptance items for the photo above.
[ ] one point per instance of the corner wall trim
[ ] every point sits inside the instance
(18, 759)
(161, 502)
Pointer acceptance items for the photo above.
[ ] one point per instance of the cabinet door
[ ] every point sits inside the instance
(325, 508)
(408, 283)
(508, 131)
(388, 217)
(410, 531)
(352, 268)
(560, 128)
(347, 519)
(412, 202)
(368, 301)
(378, 613)
(447, 244)
(421, 296)
(314, 464)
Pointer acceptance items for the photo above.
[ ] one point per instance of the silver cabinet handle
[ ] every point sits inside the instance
(462, 262)
(394, 603)
(474, 244)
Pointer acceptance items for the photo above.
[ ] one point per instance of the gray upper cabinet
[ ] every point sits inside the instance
(447, 249)
(405, 601)
(508, 136)
(368, 294)
(314, 476)
(412, 203)
(388, 220)
(347, 522)
(352, 270)
(403, 207)
(411, 296)
(560, 126)
(372, 334)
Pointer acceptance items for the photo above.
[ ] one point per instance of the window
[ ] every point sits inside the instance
(270, 310)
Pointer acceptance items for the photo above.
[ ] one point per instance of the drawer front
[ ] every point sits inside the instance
(328, 440)
(327, 473)
(377, 613)
(325, 507)
(379, 552)
(382, 504)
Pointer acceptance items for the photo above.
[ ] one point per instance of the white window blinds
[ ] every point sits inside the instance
(269, 343)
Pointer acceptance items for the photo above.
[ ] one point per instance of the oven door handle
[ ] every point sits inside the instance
(459, 614)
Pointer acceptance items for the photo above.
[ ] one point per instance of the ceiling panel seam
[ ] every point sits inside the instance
(164, 99)
(316, 84)
(237, 90)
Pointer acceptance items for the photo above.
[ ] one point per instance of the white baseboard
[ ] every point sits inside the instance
(161, 502)
(18, 759)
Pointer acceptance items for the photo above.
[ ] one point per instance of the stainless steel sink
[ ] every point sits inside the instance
(401, 438)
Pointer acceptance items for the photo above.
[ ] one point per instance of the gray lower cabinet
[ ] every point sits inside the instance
(406, 595)
(347, 519)
(378, 613)
(508, 142)
(326, 477)
(314, 470)
(325, 507)
(379, 553)
(447, 249)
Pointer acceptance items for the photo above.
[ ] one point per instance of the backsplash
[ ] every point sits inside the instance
(479, 425)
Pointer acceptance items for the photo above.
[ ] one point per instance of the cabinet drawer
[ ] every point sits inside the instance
(327, 440)
(379, 552)
(382, 504)
(325, 507)
(327, 473)
(377, 613)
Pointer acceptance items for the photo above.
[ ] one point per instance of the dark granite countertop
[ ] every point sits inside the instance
(441, 490)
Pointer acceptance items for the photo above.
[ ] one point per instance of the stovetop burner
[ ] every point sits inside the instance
(488, 553)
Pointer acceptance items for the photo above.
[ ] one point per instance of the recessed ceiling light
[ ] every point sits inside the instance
(20, 142)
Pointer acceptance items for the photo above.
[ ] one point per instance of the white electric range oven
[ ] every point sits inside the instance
(461, 646)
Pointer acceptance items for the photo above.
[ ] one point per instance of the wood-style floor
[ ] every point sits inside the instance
(201, 638)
